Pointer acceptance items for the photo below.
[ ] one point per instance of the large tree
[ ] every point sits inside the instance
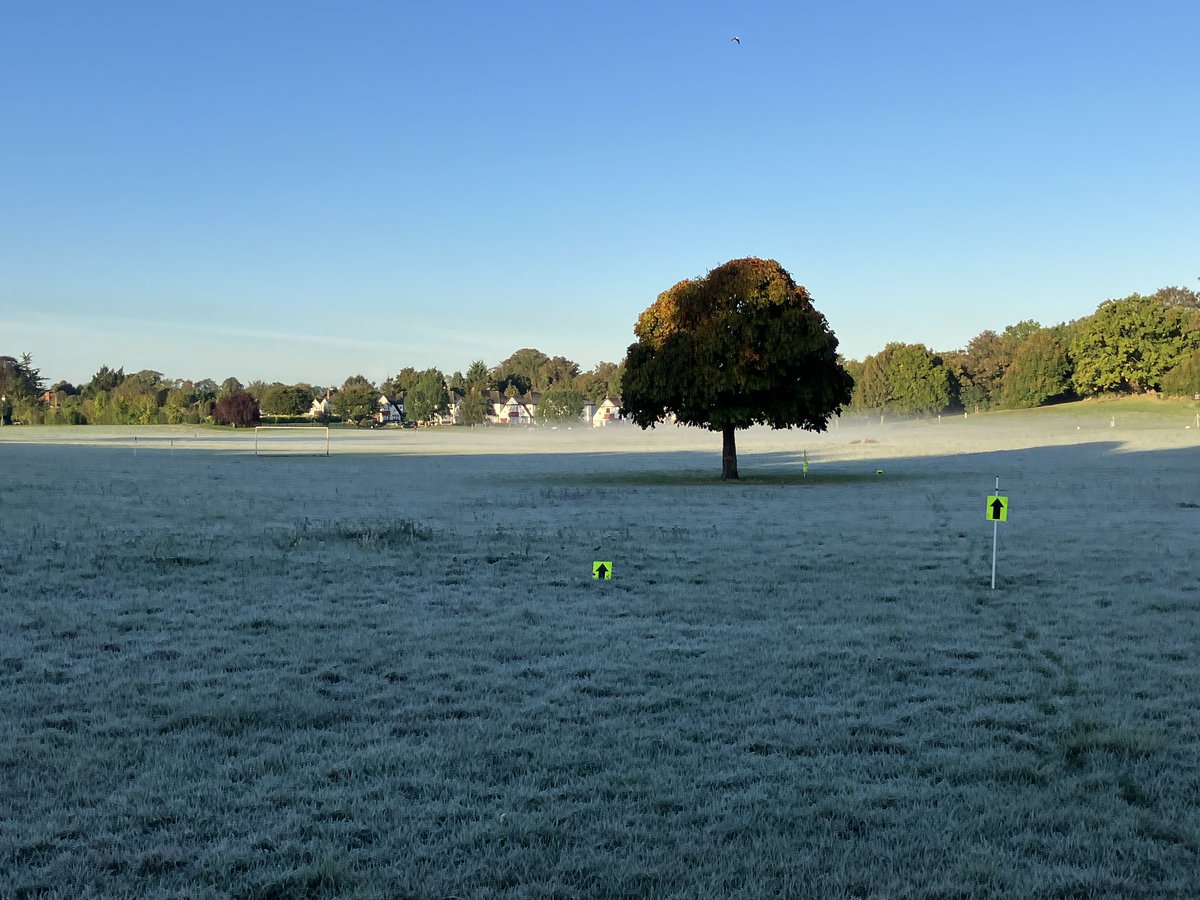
(237, 408)
(523, 369)
(741, 346)
(1128, 345)
(1040, 371)
(428, 396)
(357, 401)
(920, 384)
(18, 377)
(561, 404)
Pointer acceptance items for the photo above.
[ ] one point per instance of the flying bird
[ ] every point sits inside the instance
(736, 39)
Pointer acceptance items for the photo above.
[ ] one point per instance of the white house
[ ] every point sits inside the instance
(453, 413)
(519, 410)
(322, 406)
(607, 412)
(391, 410)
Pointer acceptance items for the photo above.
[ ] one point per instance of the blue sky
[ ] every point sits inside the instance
(302, 191)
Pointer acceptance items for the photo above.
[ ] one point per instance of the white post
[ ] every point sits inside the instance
(995, 537)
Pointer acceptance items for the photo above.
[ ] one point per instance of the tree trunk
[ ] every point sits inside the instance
(728, 455)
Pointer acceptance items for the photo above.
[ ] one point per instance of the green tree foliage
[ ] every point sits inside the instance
(140, 388)
(286, 399)
(236, 408)
(918, 382)
(229, 386)
(602, 381)
(478, 377)
(356, 402)
(106, 381)
(1128, 345)
(400, 383)
(206, 390)
(428, 397)
(1040, 371)
(741, 346)
(558, 370)
(523, 369)
(560, 404)
(18, 377)
(872, 387)
(475, 407)
(1184, 378)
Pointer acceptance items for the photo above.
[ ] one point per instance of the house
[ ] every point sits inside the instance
(518, 410)
(391, 410)
(453, 413)
(322, 407)
(608, 412)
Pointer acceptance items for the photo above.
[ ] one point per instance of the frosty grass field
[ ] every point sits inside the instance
(390, 673)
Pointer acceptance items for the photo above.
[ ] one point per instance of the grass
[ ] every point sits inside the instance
(393, 676)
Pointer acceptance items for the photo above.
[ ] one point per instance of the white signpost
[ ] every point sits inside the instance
(996, 512)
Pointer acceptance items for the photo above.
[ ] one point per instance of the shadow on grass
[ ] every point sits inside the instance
(692, 478)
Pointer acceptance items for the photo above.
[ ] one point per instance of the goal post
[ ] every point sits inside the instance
(291, 440)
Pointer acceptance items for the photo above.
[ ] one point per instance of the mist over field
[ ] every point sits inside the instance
(389, 672)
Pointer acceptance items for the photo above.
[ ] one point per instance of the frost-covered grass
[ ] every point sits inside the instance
(389, 673)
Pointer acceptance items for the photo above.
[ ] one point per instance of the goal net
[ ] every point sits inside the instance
(291, 440)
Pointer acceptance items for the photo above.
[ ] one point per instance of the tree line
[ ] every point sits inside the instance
(147, 397)
(1131, 345)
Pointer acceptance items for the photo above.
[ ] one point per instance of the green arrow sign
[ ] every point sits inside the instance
(997, 508)
(602, 570)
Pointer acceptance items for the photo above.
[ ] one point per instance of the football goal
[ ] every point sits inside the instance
(291, 440)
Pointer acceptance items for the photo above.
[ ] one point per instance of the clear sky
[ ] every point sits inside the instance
(305, 190)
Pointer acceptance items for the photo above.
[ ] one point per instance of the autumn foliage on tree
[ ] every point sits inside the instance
(238, 409)
(741, 346)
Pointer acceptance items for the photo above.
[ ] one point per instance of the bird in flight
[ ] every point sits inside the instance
(736, 39)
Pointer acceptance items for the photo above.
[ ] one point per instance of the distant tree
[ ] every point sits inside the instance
(602, 381)
(18, 377)
(65, 388)
(146, 385)
(359, 381)
(918, 382)
(560, 404)
(1184, 378)
(286, 399)
(428, 396)
(180, 407)
(104, 380)
(1040, 371)
(741, 346)
(356, 402)
(873, 388)
(1128, 345)
(457, 382)
(475, 408)
(206, 390)
(523, 368)
(229, 386)
(257, 389)
(401, 382)
(557, 370)
(237, 408)
(988, 356)
(478, 377)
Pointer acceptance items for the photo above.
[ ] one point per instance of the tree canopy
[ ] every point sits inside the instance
(236, 408)
(741, 346)
(1129, 344)
(427, 397)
